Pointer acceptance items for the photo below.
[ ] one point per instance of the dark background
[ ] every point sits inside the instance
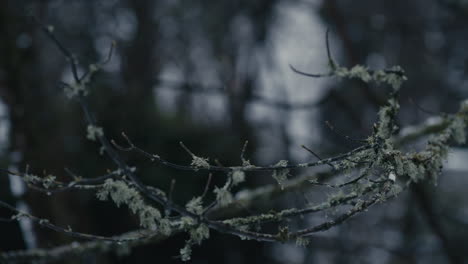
(214, 74)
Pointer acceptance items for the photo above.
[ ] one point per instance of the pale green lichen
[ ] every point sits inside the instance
(20, 215)
(121, 193)
(464, 106)
(246, 163)
(200, 233)
(186, 252)
(336, 198)
(123, 249)
(148, 217)
(396, 189)
(75, 89)
(281, 175)
(93, 132)
(360, 72)
(243, 228)
(399, 165)
(187, 222)
(416, 172)
(393, 76)
(238, 176)
(195, 206)
(385, 126)
(458, 130)
(392, 176)
(48, 181)
(31, 178)
(302, 242)
(242, 221)
(223, 196)
(43, 221)
(93, 68)
(428, 163)
(197, 235)
(359, 205)
(199, 162)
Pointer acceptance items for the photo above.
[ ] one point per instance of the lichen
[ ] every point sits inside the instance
(385, 125)
(148, 217)
(281, 175)
(31, 178)
(198, 234)
(360, 72)
(199, 162)
(186, 252)
(75, 89)
(186, 222)
(121, 193)
(464, 106)
(238, 176)
(392, 176)
(48, 181)
(223, 196)
(458, 130)
(393, 76)
(93, 132)
(195, 206)
(302, 241)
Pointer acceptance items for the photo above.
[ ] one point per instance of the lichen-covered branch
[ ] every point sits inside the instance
(379, 170)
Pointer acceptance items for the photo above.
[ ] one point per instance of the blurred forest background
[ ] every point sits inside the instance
(214, 74)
